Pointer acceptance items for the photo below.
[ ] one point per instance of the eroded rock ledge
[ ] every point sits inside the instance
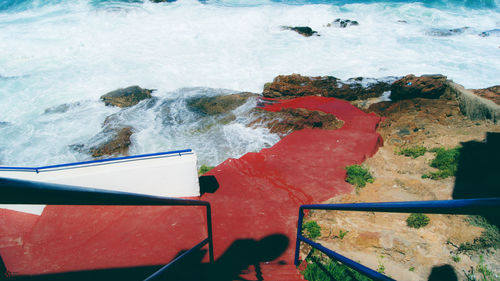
(292, 119)
(296, 85)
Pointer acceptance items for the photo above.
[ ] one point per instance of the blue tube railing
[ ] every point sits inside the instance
(14, 191)
(490, 206)
(99, 161)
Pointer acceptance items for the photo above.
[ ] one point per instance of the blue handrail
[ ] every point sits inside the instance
(98, 161)
(13, 191)
(455, 207)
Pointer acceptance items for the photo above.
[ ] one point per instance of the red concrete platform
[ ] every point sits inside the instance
(254, 210)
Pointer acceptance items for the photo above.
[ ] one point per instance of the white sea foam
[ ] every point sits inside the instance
(75, 51)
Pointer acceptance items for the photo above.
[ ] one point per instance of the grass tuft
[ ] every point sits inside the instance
(312, 230)
(417, 220)
(446, 161)
(358, 175)
(413, 152)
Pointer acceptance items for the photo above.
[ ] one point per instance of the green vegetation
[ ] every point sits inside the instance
(412, 268)
(413, 152)
(456, 258)
(381, 267)
(312, 230)
(485, 273)
(204, 169)
(417, 220)
(325, 269)
(446, 161)
(342, 233)
(490, 237)
(358, 175)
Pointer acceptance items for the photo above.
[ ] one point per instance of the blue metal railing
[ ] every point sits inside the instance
(28, 192)
(99, 161)
(490, 206)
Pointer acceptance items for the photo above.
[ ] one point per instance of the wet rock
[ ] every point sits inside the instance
(295, 85)
(425, 86)
(305, 31)
(3, 124)
(343, 23)
(126, 97)
(441, 32)
(162, 1)
(491, 93)
(62, 108)
(117, 145)
(292, 119)
(495, 32)
(218, 104)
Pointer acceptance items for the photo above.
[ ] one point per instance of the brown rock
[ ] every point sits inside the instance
(305, 31)
(118, 145)
(218, 104)
(491, 93)
(292, 119)
(296, 85)
(425, 86)
(126, 97)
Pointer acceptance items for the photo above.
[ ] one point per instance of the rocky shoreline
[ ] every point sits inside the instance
(435, 95)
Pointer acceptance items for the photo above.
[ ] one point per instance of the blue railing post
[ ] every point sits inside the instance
(299, 233)
(210, 237)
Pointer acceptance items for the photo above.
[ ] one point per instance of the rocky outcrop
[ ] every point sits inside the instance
(126, 97)
(218, 104)
(293, 119)
(491, 93)
(295, 85)
(117, 145)
(305, 31)
(490, 32)
(62, 108)
(475, 106)
(425, 86)
(443, 32)
(343, 23)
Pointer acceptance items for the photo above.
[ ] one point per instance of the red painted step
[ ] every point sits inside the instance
(254, 210)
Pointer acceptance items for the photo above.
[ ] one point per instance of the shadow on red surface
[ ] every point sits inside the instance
(231, 265)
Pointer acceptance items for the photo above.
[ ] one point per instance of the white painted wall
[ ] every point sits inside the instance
(170, 175)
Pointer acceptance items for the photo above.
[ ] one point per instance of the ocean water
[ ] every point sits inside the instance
(57, 57)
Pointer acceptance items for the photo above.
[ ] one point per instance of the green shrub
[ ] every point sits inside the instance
(413, 152)
(490, 237)
(331, 270)
(358, 176)
(456, 258)
(312, 230)
(446, 161)
(342, 233)
(204, 169)
(417, 220)
(412, 268)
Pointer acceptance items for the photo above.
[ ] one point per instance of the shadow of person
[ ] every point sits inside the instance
(442, 273)
(477, 172)
(245, 252)
(234, 262)
(208, 184)
(478, 169)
